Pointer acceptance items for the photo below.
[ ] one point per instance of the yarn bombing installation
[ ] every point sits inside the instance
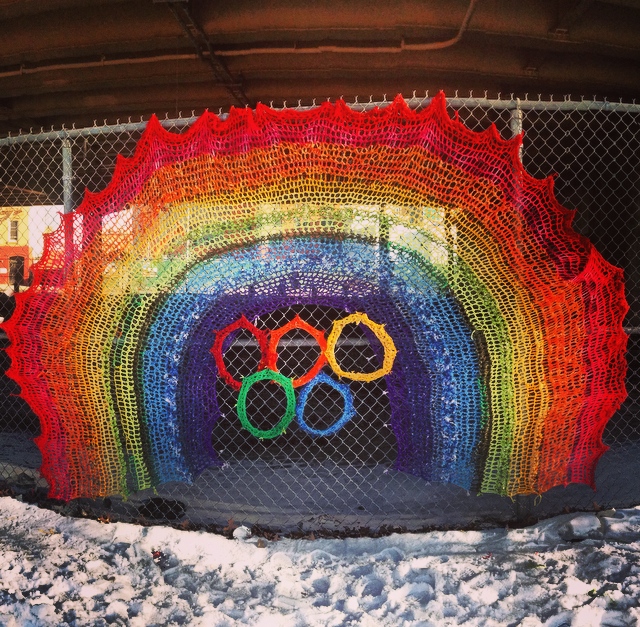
(497, 330)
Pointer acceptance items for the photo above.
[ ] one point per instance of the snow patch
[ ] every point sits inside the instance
(578, 570)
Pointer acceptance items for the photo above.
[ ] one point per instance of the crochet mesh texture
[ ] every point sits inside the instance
(507, 324)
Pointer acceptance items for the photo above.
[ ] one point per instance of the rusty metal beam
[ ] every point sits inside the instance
(571, 17)
(198, 37)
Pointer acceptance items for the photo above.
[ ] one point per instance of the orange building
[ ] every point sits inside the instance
(15, 252)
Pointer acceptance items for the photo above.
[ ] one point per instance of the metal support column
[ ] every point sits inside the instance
(515, 123)
(523, 502)
(67, 201)
(67, 176)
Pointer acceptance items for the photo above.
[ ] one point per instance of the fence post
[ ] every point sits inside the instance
(67, 176)
(67, 201)
(522, 501)
(515, 124)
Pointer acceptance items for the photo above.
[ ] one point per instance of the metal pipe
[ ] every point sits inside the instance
(413, 103)
(515, 124)
(301, 343)
(515, 121)
(67, 201)
(129, 127)
(103, 62)
(438, 45)
(67, 176)
(402, 47)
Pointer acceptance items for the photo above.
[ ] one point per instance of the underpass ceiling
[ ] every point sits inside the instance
(65, 61)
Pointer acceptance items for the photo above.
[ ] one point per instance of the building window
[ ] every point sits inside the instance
(13, 230)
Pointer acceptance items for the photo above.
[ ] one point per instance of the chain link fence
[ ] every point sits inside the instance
(293, 484)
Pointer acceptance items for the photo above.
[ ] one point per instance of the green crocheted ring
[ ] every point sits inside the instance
(280, 428)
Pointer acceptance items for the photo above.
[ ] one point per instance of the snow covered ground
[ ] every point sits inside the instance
(576, 569)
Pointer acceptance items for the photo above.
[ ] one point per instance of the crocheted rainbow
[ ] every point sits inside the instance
(507, 324)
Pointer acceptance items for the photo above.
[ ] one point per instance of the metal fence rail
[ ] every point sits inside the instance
(592, 147)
